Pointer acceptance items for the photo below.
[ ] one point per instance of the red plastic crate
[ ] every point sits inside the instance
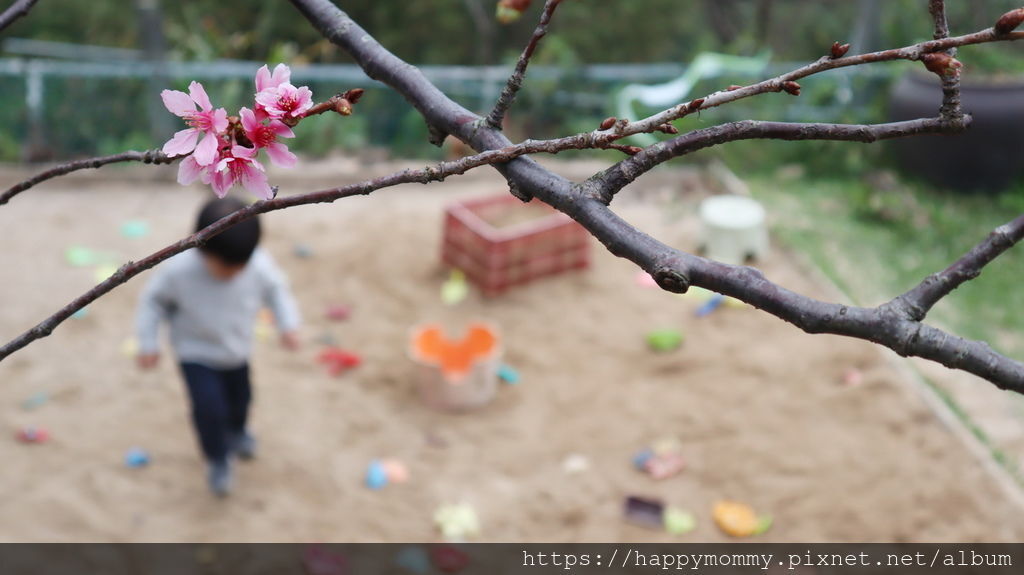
(499, 242)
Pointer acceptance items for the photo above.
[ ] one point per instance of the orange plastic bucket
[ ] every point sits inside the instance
(456, 374)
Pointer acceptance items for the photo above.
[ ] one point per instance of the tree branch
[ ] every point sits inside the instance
(515, 81)
(147, 157)
(607, 184)
(16, 10)
(951, 81)
(917, 302)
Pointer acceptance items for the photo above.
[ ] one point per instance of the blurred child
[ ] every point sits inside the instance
(210, 297)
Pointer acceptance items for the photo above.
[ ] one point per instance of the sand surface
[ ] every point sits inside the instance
(756, 404)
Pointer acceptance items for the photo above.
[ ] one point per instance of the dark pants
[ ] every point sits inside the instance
(220, 406)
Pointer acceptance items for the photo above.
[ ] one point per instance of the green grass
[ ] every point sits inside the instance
(879, 236)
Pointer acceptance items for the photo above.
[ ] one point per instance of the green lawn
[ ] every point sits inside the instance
(879, 236)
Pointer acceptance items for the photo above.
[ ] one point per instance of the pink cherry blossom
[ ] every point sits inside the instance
(203, 121)
(285, 101)
(267, 81)
(264, 135)
(236, 165)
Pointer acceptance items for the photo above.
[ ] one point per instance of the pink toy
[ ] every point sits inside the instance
(33, 435)
(338, 312)
(338, 361)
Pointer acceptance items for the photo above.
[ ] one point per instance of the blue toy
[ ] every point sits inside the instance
(136, 457)
(376, 475)
(508, 374)
(711, 305)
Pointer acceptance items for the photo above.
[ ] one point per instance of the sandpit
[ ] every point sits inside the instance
(757, 405)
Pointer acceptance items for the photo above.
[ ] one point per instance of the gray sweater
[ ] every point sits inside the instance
(212, 320)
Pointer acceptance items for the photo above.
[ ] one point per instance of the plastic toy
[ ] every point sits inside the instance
(457, 521)
(455, 289)
(318, 560)
(575, 463)
(456, 374)
(134, 229)
(645, 512)
(338, 361)
(80, 314)
(449, 559)
(508, 374)
(80, 257)
(645, 280)
(711, 305)
(338, 312)
(853, 377)
(739, 519)
(136, 457)
(302, 251)
(395, 471)
(414, 559)
(665, 340)
(641, 458)
(102, 272)
(679, 521)
(33, 435)
(376, 475)
(35, 401)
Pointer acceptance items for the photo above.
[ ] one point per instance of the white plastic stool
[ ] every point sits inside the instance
(733, 228)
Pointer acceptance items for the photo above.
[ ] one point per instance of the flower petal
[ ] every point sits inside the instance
(262, 78)
(198, 94)
(220, 120)
(280, 155)
(189, 171)
(249, 122)
(282, 74)
(222, 182)
(178, 103)
(255, 181)
(206, 151)
(182, 143)
(281, 130)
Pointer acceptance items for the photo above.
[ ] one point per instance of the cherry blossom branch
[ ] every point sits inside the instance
(18, 9)
(131, 269)
(147, 157)
(950, 81)
(609, 182)
(515, 81)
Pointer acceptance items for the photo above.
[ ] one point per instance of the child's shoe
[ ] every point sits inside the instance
(219, 477)
(244, 445)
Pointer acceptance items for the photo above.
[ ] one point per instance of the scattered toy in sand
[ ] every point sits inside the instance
(645, 512)
(134, 229)
(739, 519)
(32, 435)
(338, 361)
(80, 257)
(708, 307)
(376, 475)
(136, 457)
(448, 558)
(645, 280)
(662, 460)
(302, 251)
(101, 273)
(853, 377)
(395, 470)
(679, 521)
(665, 340)
(455, 289)
(129, 347)
(575, 463)
(318, 560)
(508, 374)
(457, 521)
(80, 314)
(414, 559)
(35, 401)
(338, 312)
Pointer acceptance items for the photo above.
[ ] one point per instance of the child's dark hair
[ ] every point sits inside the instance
(235, 245)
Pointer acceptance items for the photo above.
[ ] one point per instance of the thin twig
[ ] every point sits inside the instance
(147, 157)
(515, 81)
(16, 10)
(950, 81)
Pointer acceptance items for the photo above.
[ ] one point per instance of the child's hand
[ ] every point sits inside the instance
(290, 340)
(147, 360)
